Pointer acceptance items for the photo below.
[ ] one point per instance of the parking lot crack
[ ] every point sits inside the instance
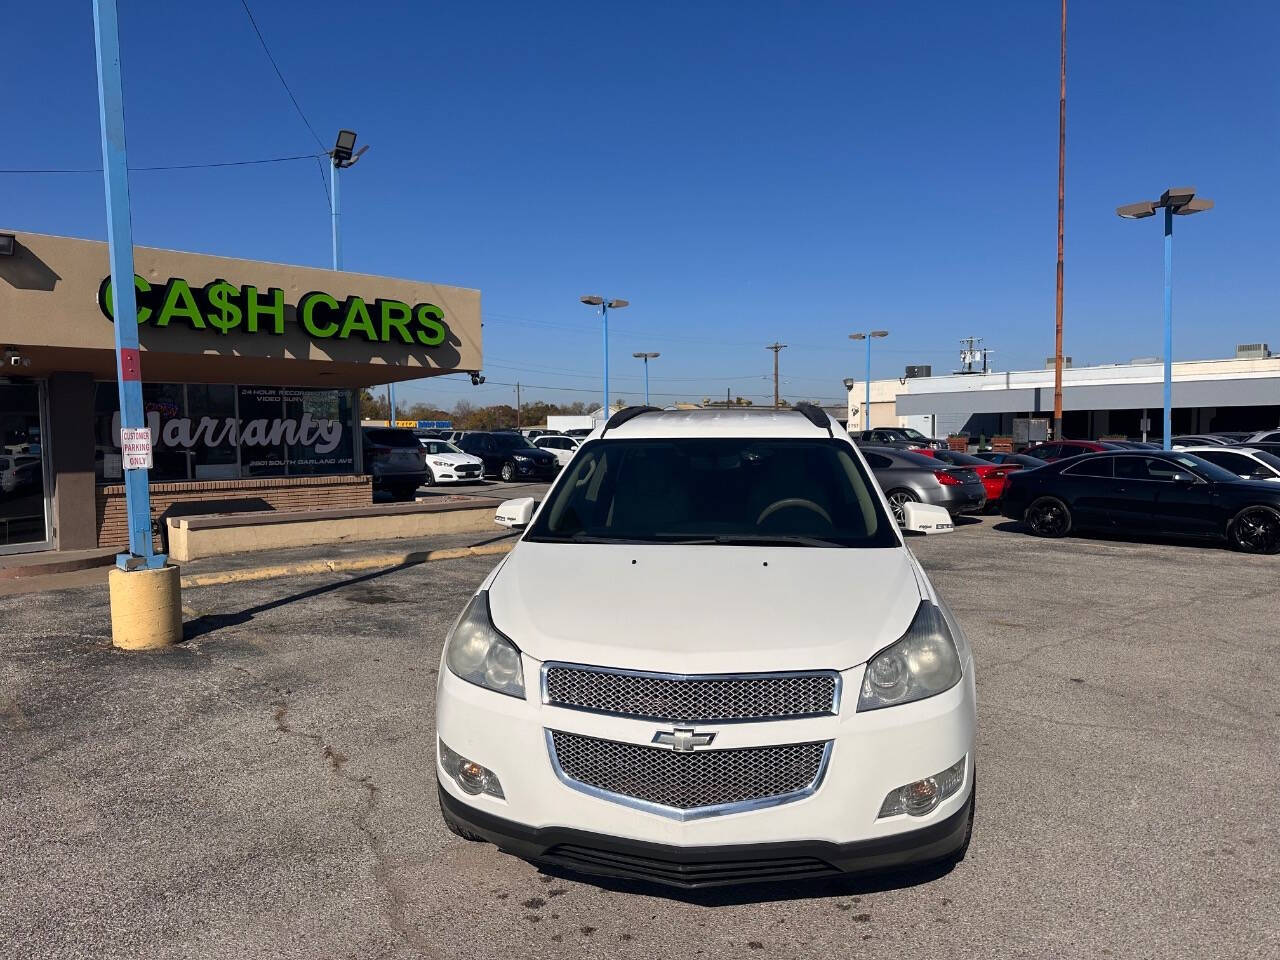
(397, 899)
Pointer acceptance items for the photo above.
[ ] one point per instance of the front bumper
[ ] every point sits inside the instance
(834, 828)
(705, 866)
(458, 474)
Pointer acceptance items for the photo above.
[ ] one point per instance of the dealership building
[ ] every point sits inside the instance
(251, 373)
(1119, 399)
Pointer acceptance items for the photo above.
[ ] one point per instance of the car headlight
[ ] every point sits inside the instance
(922, 664)
(439, 463)
(476, 652)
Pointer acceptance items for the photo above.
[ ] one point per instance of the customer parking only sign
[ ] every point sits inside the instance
(135, 448)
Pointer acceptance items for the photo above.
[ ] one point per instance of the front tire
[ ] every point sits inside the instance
(896, 499)
(430, 481)
(1255, 530)
(508, 472)
(1048, 517)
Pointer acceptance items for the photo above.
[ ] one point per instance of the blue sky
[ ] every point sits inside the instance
(739, 171)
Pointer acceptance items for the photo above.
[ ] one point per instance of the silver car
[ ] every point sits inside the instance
(907, 477)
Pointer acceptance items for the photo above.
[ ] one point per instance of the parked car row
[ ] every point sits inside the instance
(1151, 492)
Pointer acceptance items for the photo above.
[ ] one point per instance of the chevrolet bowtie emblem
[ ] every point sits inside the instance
(683, 739)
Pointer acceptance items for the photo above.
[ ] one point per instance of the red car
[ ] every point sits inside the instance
(993, 475)
(1062, 449)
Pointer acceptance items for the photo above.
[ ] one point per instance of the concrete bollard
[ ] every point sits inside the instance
(146, 608)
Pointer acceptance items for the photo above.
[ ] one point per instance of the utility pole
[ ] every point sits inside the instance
(777, 348)
(137, 492)
(518, 423)
(1062, 169)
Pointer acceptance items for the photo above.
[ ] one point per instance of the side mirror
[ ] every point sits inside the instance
(926, 518)
(1184, 479)
(515, 514)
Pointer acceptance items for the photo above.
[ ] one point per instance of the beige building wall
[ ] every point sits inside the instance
(884, 397)
(49, 312)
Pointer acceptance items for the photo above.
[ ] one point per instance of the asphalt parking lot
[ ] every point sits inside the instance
(267, 789)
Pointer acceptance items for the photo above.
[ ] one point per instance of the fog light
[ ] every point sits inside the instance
(922, 796)
(469, 775)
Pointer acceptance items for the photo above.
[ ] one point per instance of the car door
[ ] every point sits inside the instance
(1132, 499)
(1183, 501)
(1089, 489)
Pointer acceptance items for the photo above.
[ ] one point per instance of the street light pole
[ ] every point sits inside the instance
(646, 357)
(1180, 201)
(866, 407)
(604, 304)
(1168, 327)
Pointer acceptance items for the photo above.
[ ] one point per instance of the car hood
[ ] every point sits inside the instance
(453, 458)
(704, 609)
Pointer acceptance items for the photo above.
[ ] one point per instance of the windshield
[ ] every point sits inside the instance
(784, 491)
(510, 441)
(439, 446)
(960, 459)
(1210, 471)
(912, 434)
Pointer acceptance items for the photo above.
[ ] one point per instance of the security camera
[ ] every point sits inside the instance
(14, 359)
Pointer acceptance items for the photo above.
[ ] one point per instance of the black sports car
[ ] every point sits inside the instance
(1146, 492)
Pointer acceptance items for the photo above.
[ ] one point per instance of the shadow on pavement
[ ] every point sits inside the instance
(208, 623)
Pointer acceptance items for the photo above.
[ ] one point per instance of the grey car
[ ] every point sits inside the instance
(907, 477)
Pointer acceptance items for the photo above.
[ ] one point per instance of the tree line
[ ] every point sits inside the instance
(468, 416)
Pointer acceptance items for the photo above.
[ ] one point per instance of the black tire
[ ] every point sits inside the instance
(431, 479)
(458, 830)
(1255, 529)
(896, 499)
(508, 472)
(405, 492)
(1047, 517)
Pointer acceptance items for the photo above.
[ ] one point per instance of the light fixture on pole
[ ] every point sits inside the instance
(1180, 201)
(605, 306)
(872, 335)
(646, 357)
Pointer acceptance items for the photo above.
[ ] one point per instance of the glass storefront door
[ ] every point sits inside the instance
(23, 503)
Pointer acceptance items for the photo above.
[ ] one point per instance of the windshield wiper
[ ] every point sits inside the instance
(758, 540)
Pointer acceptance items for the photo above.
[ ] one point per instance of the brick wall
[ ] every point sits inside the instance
(229, 496)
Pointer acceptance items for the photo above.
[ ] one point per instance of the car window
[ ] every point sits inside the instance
(1270, 438)
(1068, 450)
(388, 437)
(913, 434)
(1133, 468)
(1046, 452)
(1091, 467)
(1270, 459)
(1237, 463)
(716, 490)
(877, 461)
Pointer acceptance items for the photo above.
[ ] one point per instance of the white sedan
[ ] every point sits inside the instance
(562, 447)
(447, 464)
(1245, 462)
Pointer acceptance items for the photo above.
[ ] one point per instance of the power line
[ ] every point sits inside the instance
(284, 83)
(167, 166)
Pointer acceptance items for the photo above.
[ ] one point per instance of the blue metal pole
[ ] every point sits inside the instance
(604, 314)
(866, 418)
(106, 35)
(646, 381)
(391, 402)
(1168, 327)
(335, 214)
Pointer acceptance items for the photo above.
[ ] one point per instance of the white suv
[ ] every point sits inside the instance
(710, 658)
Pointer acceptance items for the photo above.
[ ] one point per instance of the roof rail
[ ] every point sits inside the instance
(625, 414)
(818, 418)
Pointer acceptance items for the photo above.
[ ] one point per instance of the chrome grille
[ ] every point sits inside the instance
(687, 782)
(692, 699)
